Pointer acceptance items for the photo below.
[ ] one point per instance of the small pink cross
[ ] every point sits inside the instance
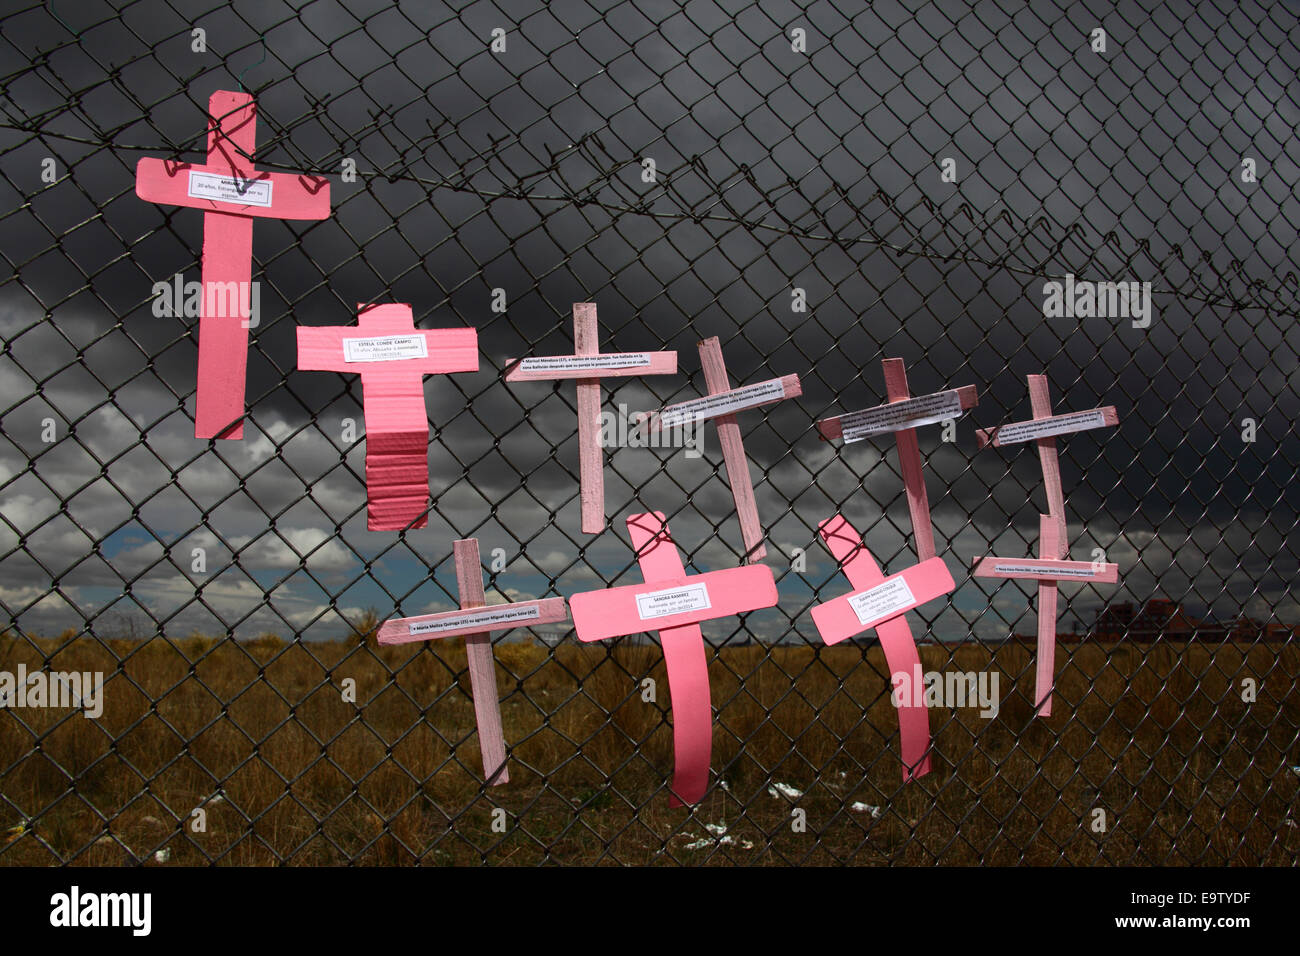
(722, 403)
(902, 415)
(589, 365)
(392, 357)
(880, 602)
(476, 621)
(1053, 537)
(231, 194)
(674, 603)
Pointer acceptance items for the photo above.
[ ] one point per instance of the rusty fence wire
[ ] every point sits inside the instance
(820, 185)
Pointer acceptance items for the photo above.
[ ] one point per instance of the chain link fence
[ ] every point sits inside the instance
(820, 185)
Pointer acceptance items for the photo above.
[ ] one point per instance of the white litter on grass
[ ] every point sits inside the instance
(163, 855)
(866, 808)
(724, 785)
(218, 797)
(718, 836)
(784, 790)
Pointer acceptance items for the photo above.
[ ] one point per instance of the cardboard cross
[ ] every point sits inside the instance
(902, 415)
(392, 357)
(231, 193)
(1053, 540)
(722, 403)
(476, 621)
(589, 365)
(880, 602)
(674, 603)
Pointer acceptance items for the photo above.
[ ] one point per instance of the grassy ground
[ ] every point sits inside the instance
(260, 737)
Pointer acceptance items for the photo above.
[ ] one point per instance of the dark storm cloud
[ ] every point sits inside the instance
(777, 171)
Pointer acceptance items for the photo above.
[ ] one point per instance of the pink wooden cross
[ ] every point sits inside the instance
(589, 365)
(392, 357)
(1053, 539)
(476, 621)
(902, 415)
(880, 602)
(231, 194)
(674, 603)
(722, 403)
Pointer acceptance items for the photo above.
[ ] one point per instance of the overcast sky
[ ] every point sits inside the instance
(776, 170)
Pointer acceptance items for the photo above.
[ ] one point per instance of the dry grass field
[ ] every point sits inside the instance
(259, 735)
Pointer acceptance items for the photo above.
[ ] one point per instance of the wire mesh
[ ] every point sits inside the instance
(820, 186)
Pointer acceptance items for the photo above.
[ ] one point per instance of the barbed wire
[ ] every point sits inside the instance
(918, 247)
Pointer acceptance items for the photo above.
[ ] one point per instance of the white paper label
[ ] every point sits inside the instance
(487, 618)
(1086, 572)
(690, 597)
(712, 405)
(584, 363)
(1046, 427)
(385, 348)
(926, 410)
(232, 189)
(884, 600)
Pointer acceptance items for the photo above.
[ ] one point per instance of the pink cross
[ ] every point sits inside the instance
(1053, 536)
(392, 357)
(476, 621)
(722, 403)
(674, 603)
(589, 365)
(901, 415)
(231, 194)
(880, 602)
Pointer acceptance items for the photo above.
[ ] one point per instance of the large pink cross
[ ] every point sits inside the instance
(722, 403)
(589, 365)
(902, 415)
(231, 194)
(475, 621)
(1053, 537)
(674, 603)
(392, 357)
(1048, 570)
(880, 602)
